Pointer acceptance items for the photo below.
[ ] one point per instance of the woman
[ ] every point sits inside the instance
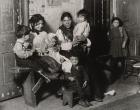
(65, 33)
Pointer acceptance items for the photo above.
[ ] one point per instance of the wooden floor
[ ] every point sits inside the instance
(122, 87)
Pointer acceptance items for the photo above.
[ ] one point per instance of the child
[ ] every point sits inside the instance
(53, 52)
(25, 56)
(77, 80)
(82, 29)
(118, 44)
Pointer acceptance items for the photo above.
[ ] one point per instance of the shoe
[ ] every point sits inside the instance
(112, 93)
(83, 103)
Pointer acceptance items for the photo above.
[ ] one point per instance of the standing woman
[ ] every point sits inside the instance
(118, 38)
(65, 33)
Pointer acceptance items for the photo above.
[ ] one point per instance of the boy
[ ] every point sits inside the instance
(77, 80)
(81, 30)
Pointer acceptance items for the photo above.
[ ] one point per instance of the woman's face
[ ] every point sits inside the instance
(115, 23)
(39, 25)
(67, 22)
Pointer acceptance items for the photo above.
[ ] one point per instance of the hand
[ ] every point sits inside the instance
(38, 50)
(75, 43)
(62, 59)
(26, 44)
(71, 78)
(123, 45)
(84, 84)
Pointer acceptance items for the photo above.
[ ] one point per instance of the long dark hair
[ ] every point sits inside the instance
(34, 20)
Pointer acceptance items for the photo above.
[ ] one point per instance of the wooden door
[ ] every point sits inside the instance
(100, 21)
(129, 12)
(8, 21)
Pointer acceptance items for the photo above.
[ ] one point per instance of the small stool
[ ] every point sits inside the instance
(137, 67)
(68, 96)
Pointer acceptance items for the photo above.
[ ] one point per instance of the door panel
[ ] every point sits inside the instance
(1, 70)
(129, 12)
(8, 20)
(9, 62)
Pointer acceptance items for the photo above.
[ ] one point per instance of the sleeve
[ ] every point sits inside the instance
(87, 31)
(125, 36)
(59, 35)
(20, 52)
(79, 29)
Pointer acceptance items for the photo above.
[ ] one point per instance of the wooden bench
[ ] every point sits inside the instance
(30, 86)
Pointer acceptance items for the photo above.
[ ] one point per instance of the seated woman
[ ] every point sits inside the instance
(42, 42)
(65, 33)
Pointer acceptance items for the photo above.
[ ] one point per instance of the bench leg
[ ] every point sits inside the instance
(29, 96)
(68, 98)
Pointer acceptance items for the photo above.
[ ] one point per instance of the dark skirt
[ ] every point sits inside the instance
(39, 62)
(30, 62)
(116, 49)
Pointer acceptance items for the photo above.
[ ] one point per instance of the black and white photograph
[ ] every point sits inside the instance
(69, 55)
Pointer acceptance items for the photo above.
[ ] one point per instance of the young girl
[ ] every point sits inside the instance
(81, 30)
(118, 38)
(118, 46)
(42, 41)
(38, 29)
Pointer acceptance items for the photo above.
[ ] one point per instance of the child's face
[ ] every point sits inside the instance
(53, 41)
(115, 23)
(81, 18)
(74, 60)
(39, 25)
(26, 37)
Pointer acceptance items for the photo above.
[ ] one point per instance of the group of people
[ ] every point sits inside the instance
(56, 56)
(60, 55)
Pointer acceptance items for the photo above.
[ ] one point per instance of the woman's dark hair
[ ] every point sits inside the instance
(22, 30)
(118, 19)
(84, 13)
(35, 19)
(66, 14)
